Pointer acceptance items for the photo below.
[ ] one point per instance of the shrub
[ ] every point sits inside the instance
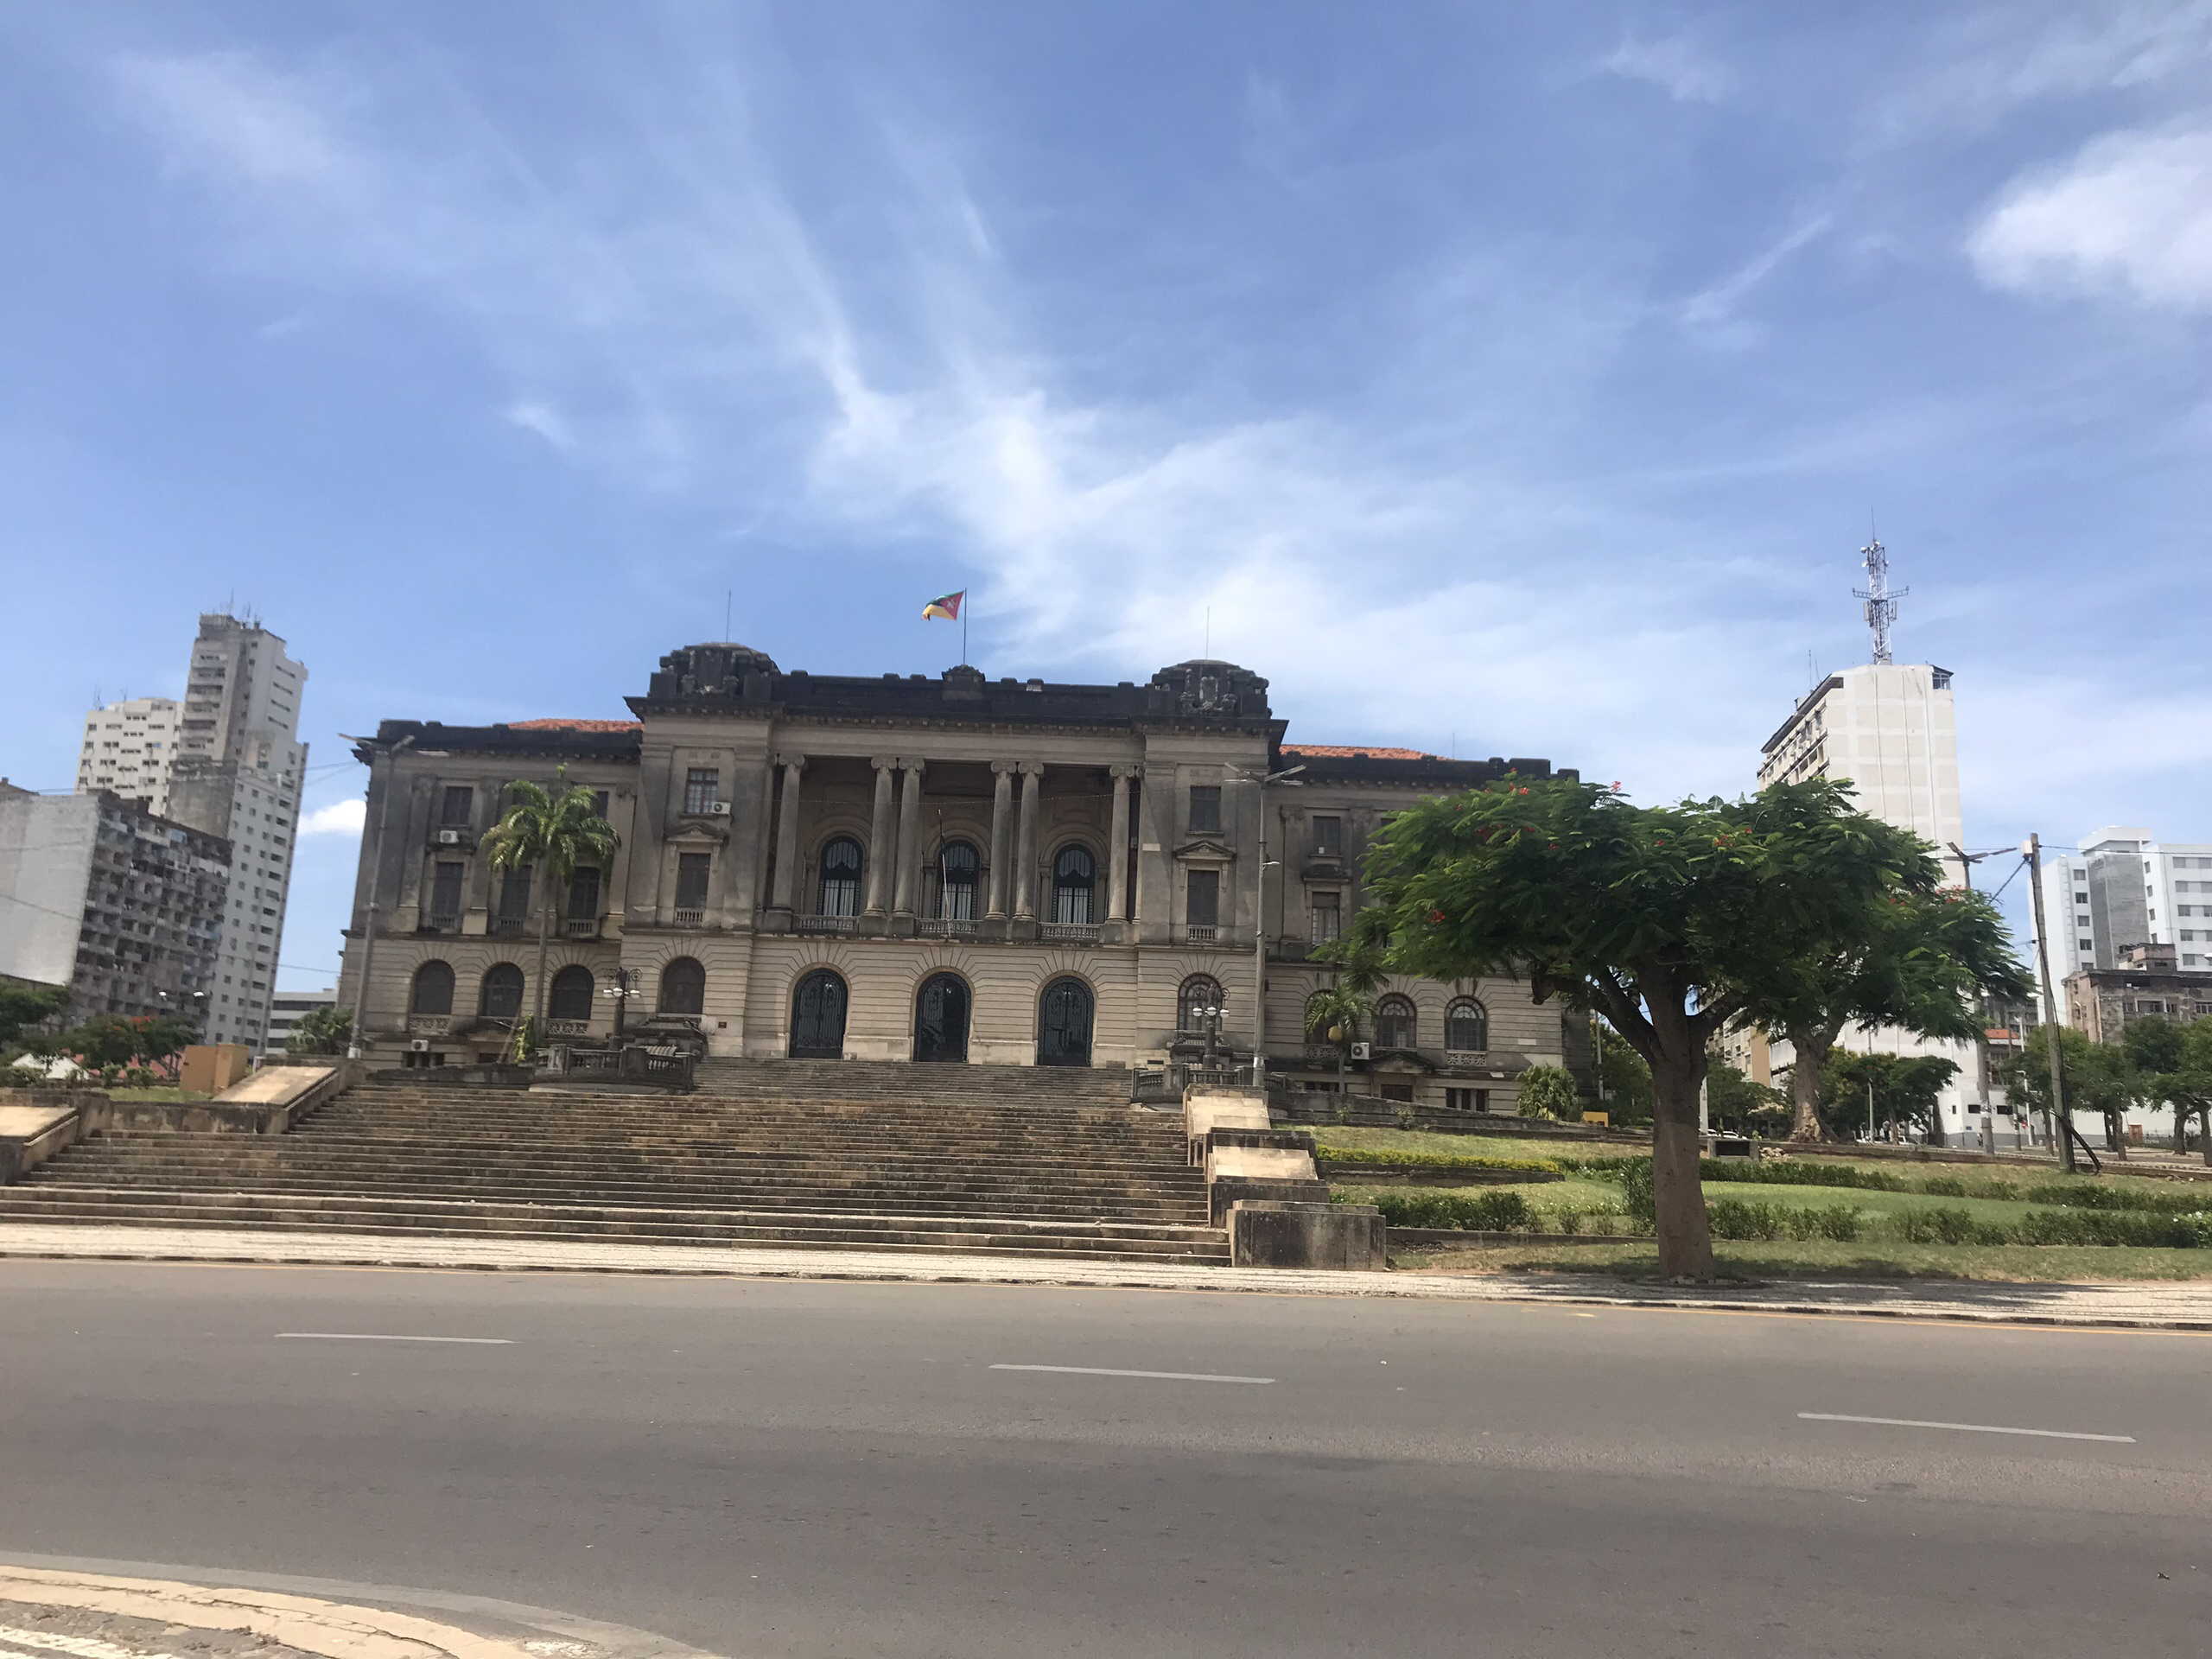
(1391, 1157)
(1940, 1225)
(1485, 1213)
(1734, 1219)
(2085, 1194)
(1548, 1091)
(1635, 1177)
(2188, 1232)
(1944, 1186)
(1794, 1173)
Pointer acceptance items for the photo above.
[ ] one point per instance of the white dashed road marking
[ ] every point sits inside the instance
(379, 1335)
(1967, 1428)
(1158, 1376)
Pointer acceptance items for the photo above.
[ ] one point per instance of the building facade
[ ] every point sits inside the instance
(1891, 730)
(121, 905)
(2121, 888)
(936, 869)
(288, 1008)
(227, 761)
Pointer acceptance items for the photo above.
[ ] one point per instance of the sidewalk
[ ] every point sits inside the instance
(2147, 1306)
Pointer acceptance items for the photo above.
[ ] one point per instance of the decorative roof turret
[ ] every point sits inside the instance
(723, 672)
(1206, 686)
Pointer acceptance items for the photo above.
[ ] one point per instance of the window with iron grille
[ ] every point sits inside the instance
(840, 889)
(1467, 1027)
(701, 789)
(1394, 1023)
(1325, 910)
(1073, 878)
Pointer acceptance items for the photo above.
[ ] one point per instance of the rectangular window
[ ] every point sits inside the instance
(459, 808)
(1466, 1100)
(599, 803)
(701, 788)
(583, 894)
(691, 872)
(445, 893)
(1327, 915)
(1205, 809)
(514, 893)
(1328, 837)
(1203, 908)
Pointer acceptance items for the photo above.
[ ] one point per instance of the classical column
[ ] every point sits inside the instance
(1024, 849)
(910, 838)
(1001, 836)
(880, 851)
(1118, 850)
(785, 896)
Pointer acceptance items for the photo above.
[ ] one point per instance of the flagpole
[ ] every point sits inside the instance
(964, 633)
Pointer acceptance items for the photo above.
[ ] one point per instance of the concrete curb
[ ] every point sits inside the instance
(301, 1614)
(2145, 1306)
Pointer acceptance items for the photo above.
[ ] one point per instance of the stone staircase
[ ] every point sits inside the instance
(975, 1160)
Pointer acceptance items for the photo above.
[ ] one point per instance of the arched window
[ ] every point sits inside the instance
(500, 995)
(571, 994)
(818, 1017)
(1064, 1023)
(1467, 1027)
(684, 987)
(841, 878)
(1074, 876)
(1394, 1023)
(1199, 991)
(433, 990)
(957, 867)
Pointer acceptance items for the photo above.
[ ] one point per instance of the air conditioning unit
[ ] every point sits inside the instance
(449, 837)
(1363, 1050)
(419, 1045)
(718, 809)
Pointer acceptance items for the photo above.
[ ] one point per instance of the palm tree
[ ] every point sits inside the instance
(554, 833)
(1337, 1011)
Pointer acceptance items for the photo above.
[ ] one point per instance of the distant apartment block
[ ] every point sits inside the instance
(229, 763)
(2148, 983)
(288, 1008)
(2123, 888)
(120, 904)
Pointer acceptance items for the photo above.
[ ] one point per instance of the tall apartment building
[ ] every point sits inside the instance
(1891, 730)
(233, 768)
(128, 748)
(101, 895)
(2121, 888)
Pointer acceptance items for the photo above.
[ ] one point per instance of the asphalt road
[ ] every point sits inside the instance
(772, 1468)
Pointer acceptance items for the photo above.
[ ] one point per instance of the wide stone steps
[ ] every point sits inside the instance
(1000, 1160)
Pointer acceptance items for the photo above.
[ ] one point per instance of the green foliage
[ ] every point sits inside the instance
(1390, 1157)
(1734, 1219)
(553, 834)
(2187, 1232)
(1481, 1212)
(1548, 1091)
(24, 1006)
(1625, 1079)
(1638, 1195)
(1735, 1102)
(2087, 1193)
(1941, 1224)
(322, 1031)
(1781, 1172)
(1341, 1008)
(1906, 1090)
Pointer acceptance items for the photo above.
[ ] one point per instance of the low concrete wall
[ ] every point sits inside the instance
(1225, 1194)
(1344, 1237)
(1205, 1109)
(32, 1131)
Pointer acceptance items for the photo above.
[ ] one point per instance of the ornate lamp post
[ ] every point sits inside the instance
(624, 988)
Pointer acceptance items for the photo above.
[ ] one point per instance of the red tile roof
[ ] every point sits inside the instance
(1341, 752)
(574, 726)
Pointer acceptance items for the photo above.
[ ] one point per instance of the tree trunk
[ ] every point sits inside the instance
(2204, 1133)
(2116, 1136)
(2181, 1130)
(544, 929)
(1812, 1051)
(1685, 1236)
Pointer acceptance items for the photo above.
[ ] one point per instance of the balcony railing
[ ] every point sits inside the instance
(1198, 933)
(567, 1028)
(427, 1024)
(687, 917)
(580, 927)
(947, 927)
(1069, 932)
(828, 924)
(506, 927)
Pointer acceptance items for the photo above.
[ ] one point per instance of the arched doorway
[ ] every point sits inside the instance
(684, 987)
(818, 1017)
(941, 1019)
(1064, 1024)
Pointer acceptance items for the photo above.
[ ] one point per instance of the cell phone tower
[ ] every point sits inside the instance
(1881, 603)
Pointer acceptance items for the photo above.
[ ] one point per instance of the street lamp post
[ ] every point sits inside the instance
(1260, 927)
(624, 988)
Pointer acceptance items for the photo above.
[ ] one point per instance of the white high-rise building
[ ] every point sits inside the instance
(230, 763)
(2124, 887)
(1889, 729)
(128, 748)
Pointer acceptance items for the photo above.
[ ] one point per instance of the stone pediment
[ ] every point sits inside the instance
(1206, 849)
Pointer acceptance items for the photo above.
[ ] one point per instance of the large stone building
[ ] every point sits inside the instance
(955, 868)
(101, 895)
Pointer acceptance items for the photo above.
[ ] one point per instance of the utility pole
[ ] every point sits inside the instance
(2031, 849)
(1988, 1133)
(1259, 925)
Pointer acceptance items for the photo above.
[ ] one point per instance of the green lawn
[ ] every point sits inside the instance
(1345, 1138)
(1821, 1258)
(159, 1091)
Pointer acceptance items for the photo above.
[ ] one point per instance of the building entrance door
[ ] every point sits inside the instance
(941, 1019)
(1064, 1024)
(818, 1017)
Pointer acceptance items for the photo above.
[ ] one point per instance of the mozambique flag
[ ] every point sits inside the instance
(946, 607)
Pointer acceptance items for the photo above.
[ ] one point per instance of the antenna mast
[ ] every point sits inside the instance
(1881, 603)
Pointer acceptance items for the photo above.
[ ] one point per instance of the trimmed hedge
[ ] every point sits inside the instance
(1393, 1158)
(1735, 1218)
(1485, 1212)
(1792, 1173)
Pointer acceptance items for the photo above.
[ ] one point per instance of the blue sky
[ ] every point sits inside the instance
(1506, 378)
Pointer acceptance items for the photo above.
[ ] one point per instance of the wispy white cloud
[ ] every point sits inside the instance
(2131, 215)
(339, 818)
(543, 419)
(1714, 313)
(1675, 64)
